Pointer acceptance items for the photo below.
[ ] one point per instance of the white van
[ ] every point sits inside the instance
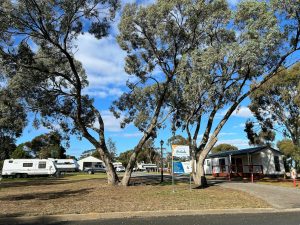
(65, 165)
(28, 167)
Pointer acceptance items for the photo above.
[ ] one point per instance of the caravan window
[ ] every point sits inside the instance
(277, 164)
(42, 165)
(27, 164)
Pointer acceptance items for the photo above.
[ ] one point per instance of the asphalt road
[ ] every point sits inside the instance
(286, 218)
(278, 197)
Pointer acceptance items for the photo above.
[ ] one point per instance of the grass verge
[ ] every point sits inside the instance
(84, 193)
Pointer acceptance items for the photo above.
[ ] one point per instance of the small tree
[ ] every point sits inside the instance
(178, 140)
(21, 152)
(223, 147)
(291, 153)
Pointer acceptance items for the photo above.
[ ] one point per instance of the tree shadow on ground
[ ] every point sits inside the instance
(155, 180)
(46, 195)
(40, 182)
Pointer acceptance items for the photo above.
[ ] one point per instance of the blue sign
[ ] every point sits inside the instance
(178, 167)
(182, 167)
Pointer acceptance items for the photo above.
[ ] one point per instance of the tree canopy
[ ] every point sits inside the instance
(223, 147)
(195, 58)
(276, 105)
(292, 153)
(37, 58)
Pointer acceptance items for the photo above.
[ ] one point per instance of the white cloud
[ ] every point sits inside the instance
(103, 61)
(242, 111)
(240, 143)
(226, 133)
(112, 124)
(128, 135)
(103, 92)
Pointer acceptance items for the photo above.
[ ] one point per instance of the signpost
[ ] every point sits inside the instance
(294, 176)
(178, 167)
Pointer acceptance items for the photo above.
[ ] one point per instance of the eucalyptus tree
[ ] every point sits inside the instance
(38, 61)
(12, 121)
(276, 105)
(155, 38)
(244, 48)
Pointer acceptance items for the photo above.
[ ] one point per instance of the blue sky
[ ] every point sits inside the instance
(103, 61)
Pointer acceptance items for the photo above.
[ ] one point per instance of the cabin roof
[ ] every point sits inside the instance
(242, 151)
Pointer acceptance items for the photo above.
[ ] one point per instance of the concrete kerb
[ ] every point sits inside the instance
(138, 214)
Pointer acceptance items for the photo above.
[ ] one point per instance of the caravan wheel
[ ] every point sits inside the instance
(25, 175)
(18, 175)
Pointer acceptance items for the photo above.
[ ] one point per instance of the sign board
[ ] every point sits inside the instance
(180, 151)
(182, 167)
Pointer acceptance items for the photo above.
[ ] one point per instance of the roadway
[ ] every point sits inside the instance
(285, 218)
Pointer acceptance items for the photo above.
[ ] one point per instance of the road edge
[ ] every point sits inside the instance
(137, 214)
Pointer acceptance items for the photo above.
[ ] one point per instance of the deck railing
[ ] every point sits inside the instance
(257, 169)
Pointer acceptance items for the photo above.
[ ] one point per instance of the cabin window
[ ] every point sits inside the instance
(42, 165)
(27, 164)
(10, 161)
(277, 164)
(208, 162)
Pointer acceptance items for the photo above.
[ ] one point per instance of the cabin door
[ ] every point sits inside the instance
(239, 165)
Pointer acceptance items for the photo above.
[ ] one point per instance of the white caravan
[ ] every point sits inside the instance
(28, 167)
(66, 165)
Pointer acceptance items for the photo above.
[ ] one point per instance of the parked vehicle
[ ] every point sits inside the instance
(28, 167)
(120, 168)
(95, 168)
(66, 165)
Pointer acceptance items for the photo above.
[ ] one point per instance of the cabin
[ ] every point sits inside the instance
(259, 161)
(90, 162)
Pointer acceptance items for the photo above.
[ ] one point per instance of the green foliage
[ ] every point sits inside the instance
(47, 146)
(178, 140)
(124, 157)
(21, 152)
(276, 104)
(223, 147)
(37, 59)
(12, 114)
(7, 146)
(291, 151)
(111, 147)
(42, 70)
(265, 136)
(148, 153)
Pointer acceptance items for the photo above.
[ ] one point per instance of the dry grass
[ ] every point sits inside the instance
(89, 193)
(280, 182)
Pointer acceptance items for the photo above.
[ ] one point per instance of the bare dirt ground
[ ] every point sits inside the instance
(87, 194)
